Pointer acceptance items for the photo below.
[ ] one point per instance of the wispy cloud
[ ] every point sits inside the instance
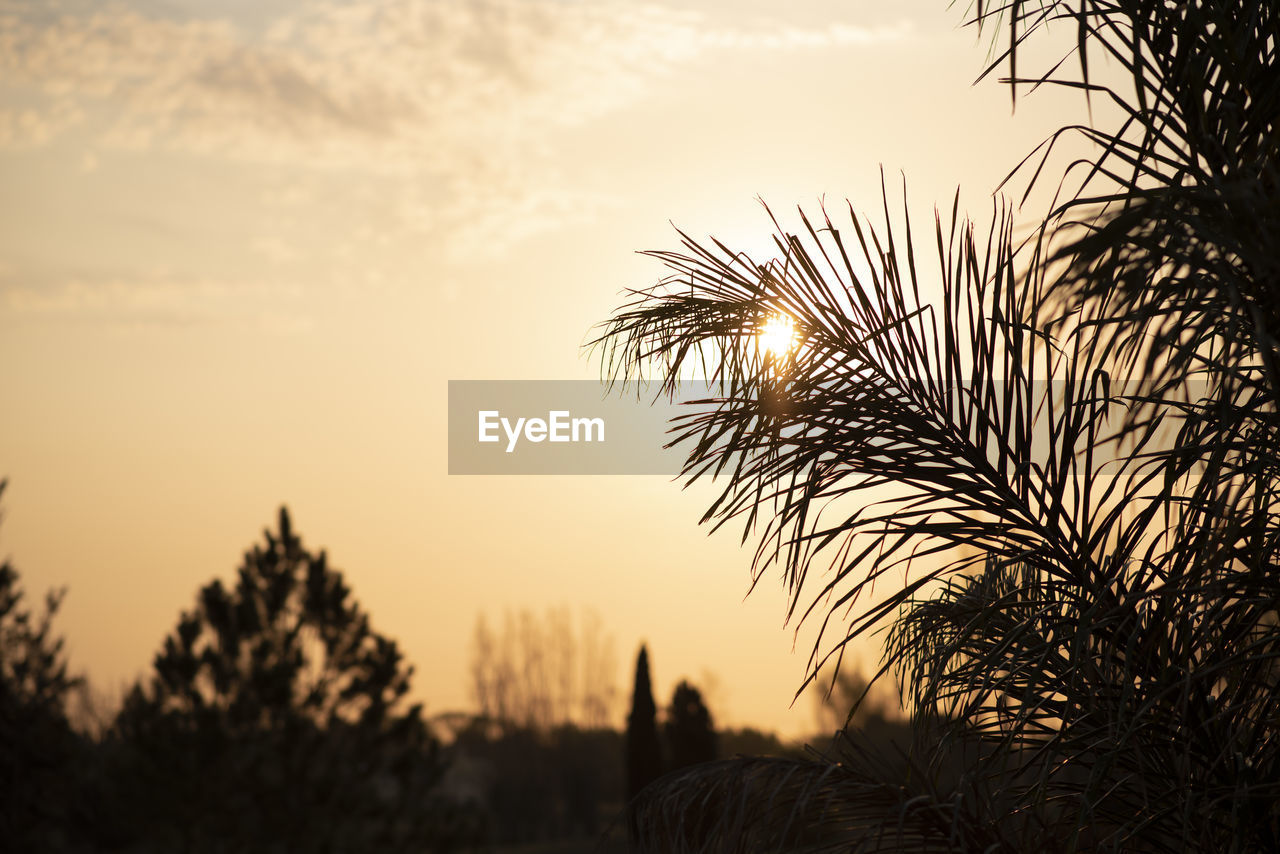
(469, 98)
(159, 301)
(375, 84)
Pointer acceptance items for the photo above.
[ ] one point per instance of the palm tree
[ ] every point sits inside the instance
(1057, 455)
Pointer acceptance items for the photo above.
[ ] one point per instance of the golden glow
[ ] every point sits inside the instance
(429, 209)
(778, 336)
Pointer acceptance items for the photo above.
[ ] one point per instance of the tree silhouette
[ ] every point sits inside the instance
(1077, 565)
(644, 752)
(286, 643)
(691, 737)
(38, 750)
(542, 672)
(276, 716)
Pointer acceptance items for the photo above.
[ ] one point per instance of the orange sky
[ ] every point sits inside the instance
(244, 246)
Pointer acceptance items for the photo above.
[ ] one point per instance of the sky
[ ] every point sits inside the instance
(244, 246)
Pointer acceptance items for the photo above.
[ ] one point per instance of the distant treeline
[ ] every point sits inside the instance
(276, 719)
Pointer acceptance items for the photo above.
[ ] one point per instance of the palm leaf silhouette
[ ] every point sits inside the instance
(1077, 574)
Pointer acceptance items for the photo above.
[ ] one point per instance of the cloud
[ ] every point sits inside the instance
(374, 84)
(26, 127)
(160, 302)
(468, 98)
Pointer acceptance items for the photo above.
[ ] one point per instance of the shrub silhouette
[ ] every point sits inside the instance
(691, 736)
(538, 786)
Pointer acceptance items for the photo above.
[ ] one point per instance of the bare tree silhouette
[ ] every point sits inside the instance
(543, 672)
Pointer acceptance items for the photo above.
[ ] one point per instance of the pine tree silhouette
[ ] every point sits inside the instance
(278, 718)
(38, 750)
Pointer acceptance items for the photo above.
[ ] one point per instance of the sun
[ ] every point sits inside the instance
(778, 336)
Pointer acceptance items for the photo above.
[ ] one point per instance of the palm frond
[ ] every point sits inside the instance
(1169, 230)
(1082, 573)
(863, 798)
(976, 418)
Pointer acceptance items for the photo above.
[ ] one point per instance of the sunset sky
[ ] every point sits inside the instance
(244, 246)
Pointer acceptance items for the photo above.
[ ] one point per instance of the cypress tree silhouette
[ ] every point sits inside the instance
(644, 752)
(691, 738)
